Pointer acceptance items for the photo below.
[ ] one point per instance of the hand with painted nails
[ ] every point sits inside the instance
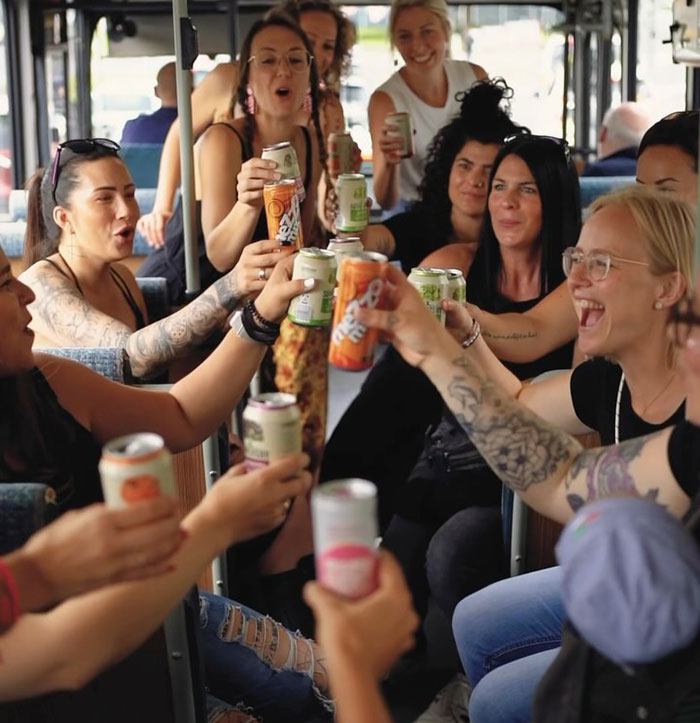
(280, 289)
(256, 264)
(253, 175)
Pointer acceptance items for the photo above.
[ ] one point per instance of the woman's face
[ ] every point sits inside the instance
(614, 314)
(420, 38)
(670, 169)
(322, 31)
(469, 175)
(279, 71)
(514, 204)
(17, 338)
(103, 210)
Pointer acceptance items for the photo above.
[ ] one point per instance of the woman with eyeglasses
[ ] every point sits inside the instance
(331, 36)
(425, 87)
(81, 218)
(667, 159)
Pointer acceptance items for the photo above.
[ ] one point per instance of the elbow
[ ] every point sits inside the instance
(139, 366)
(217, 256)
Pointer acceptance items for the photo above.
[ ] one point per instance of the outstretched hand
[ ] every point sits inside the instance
(279, 290)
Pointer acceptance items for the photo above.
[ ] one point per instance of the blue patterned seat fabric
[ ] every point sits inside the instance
(594, 186)
(110, 362)
(24, 507)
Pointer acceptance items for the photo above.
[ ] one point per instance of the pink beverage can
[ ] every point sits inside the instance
(136, 467)
(344, 517)
(271, 428)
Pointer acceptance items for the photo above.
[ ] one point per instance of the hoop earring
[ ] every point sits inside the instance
(307, 105)
(250, 100)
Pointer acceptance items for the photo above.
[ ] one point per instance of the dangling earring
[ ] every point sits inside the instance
(658, 305)
(250, 100)
(306, 105)
(396, 62)
(321, 86)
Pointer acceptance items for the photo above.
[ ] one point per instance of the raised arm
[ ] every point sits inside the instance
(60, 313)
(215, 90)
(66, 647)
(385, 151)
(528, 336)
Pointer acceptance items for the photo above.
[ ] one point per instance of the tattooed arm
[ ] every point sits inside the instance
(63, 315)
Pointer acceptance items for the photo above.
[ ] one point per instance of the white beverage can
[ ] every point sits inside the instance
(351, 189)
(346, 245)
(433, 287)
(344, 517)
(286, 158)
(402, 126)
(136, 467)
(271, 428)
(314, 308)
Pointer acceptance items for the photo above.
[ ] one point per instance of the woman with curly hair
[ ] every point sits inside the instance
(331, 36)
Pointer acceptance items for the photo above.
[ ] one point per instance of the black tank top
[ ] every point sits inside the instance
(168, 261)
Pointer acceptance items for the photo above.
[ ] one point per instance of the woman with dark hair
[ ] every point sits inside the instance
(331, 36)
(81, 217)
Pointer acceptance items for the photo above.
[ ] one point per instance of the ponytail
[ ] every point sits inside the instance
(42, 233)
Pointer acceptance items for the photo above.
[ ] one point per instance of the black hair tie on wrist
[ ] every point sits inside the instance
(263, 334)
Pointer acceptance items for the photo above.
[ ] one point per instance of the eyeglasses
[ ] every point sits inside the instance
(682, 318)
(598, 263)
(78, 146)
(530, 137)
(298, 61)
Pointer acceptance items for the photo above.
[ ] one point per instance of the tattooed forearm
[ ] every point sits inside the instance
(153, 347)
(605, 472)
(512, 336)
(520, 447)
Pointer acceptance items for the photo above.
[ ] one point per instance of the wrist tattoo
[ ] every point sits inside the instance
(512, 336)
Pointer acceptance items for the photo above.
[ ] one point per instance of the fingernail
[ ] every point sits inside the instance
(278, 175)
(309, 283)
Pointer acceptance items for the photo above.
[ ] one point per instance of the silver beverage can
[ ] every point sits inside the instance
(286, 158)
(402, 126)
(457, 286)
(314, 308)
(344, 519)
(136, 467)
(351, 189)
(433, 286)
(339, 153)
(271, 428)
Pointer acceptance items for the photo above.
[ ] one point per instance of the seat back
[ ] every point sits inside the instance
(594, 186)
(155, 294)
(142, 160)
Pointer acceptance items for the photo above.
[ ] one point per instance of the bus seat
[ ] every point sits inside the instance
(12, 242)
(143, 160)
(25, 507)
(110, 362)
(594, 186)
(155, 294)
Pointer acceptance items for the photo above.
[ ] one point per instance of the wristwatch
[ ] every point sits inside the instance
(236, 324)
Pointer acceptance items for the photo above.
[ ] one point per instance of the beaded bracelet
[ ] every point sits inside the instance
(473, 335)
(254, 330)
(9, 599)
(260, 319)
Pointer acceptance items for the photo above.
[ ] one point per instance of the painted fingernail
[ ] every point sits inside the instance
(309, 283)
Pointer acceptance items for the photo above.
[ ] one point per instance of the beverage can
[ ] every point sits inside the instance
(344, 246)
(351, 190)
(339, 153)
(457, 286)
(271, 428)
(136, 467)
(360, 284)
(402, 126)
(314, 308)
(345, 528)
(285, 157)
(283, 213)
(432, 286)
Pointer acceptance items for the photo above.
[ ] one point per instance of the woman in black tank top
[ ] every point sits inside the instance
(81, 220)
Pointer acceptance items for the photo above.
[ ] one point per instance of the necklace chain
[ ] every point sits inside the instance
(643, 412)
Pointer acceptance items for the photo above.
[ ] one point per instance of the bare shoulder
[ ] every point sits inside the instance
(127, 276)
(479, 72)
(220, 139)
(218, 82)
(381, 102)
(457, 256)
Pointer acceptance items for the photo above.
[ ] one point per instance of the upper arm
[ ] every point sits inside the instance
(479, 72)
(213, 93)
(219, 165)
(551, 399)
(380, 105)
(378, 237)
(61, 314)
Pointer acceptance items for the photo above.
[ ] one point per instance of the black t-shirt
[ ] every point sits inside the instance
(594, 387)
(415, 238)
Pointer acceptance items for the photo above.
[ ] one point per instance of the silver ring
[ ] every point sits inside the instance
(261, 274)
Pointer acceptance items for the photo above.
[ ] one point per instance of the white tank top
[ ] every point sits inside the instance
(427, 120)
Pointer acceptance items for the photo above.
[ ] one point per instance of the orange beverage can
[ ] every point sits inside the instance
(361, 284)
(283, 213)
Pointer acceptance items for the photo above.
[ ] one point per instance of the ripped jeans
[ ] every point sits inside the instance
(258, 666)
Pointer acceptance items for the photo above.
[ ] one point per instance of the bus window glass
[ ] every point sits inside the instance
(5, 123)
(660, 82)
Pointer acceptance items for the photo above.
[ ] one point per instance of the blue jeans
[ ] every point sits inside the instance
(252, 660)
(507, 635)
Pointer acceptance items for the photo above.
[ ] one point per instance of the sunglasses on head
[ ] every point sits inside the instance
(78, 146)
(529, 137)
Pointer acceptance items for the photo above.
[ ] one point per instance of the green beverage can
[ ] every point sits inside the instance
(351, 189)
(314, 308)
(432, 285)
(457, 286)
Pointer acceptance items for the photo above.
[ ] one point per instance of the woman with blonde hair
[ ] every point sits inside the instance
(424, 87)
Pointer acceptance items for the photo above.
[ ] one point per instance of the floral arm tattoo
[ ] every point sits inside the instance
(524, 450)
(63, 315)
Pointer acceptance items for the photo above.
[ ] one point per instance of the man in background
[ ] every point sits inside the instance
(153, 127)
(620, 133)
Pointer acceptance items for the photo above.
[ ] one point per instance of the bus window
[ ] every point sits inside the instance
(5, 122)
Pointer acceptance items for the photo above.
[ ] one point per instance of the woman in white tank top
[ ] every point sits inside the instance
(425, 87)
